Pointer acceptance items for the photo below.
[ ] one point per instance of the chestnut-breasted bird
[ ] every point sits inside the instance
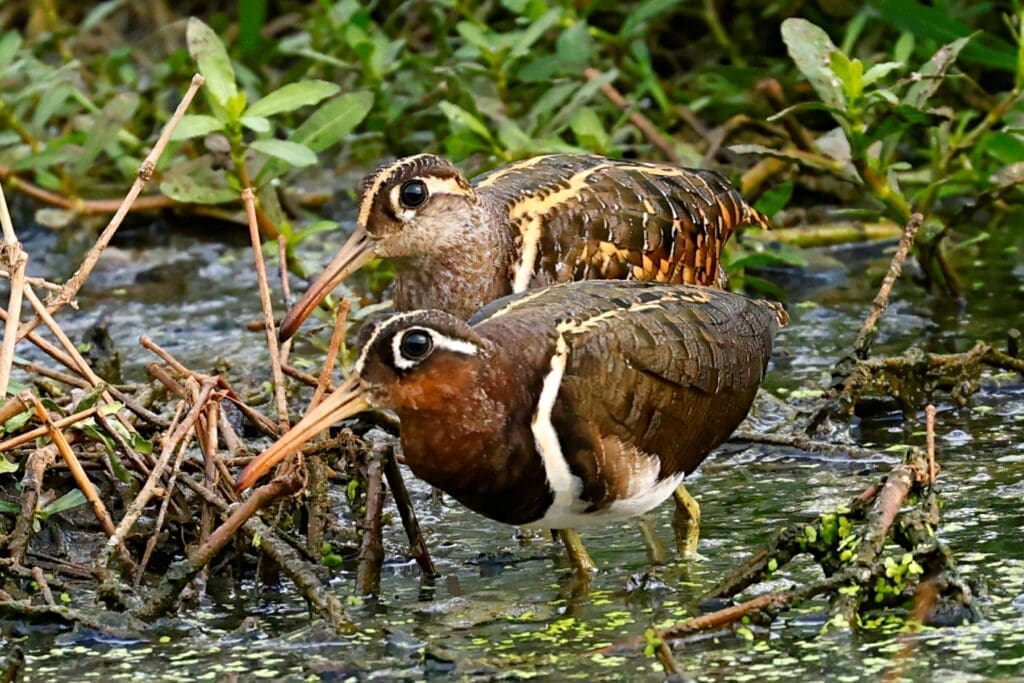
(457, 246)
(561, 407)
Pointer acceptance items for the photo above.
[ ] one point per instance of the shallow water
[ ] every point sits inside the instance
(505, 606)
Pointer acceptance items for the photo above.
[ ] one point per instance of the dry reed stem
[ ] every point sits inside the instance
(168, 493)
(74, 284)
(31, 487)
(79, 363)
(34, 281)
(171, 443)
(249, 198)
(929, 413)
(371, 550)
(262, 422)
(84, 485)
(862, 344)
(15, 258)
(323, 382)
(65, 360)
(15, 405)
(62, 377)
(286, 289)
(406, 511)
(639, 120)
(44, 587)
(210, 457)
(33, 434)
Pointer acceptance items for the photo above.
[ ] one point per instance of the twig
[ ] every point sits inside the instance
(286, 288)
(62, 377)
(929, 412)
(15, 405)
(806, 444)
(71, 287)
(170, 444)
(31, 486)
(181, 573)
(249, 198)
(318, 505)
(34, 281)
(262, 422)
(14, 257)
(323, 383)
(371, 551)
(85, 486)
(86, 206)
(862, 344)
(168, 493)
(33, 434)
(79, 364)
(44, 587)
(642, 123)
(417, 546)
(209, 466)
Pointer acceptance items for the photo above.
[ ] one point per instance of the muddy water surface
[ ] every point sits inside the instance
(505, 605)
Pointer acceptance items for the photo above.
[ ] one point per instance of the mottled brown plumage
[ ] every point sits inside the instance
(545, 220)
(561, 407)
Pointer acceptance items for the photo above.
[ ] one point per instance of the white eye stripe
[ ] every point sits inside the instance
(438, 340)
(434, 185)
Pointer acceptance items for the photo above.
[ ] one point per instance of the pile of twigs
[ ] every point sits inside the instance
(145, 498)
(877, 553)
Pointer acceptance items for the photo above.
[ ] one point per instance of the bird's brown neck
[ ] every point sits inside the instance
(465, 272)
(479, 447)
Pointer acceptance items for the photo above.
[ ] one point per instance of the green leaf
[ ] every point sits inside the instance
(930, 76)
(586, 93)
(293, 153)
(333, 120)
(532, 34)
(934, 22)
(775, 199)
(105, 128)
(68, 501)
(214, 64)
(810, 48)
(589, 131)
(459, 117)
(98, 13)
(644, 12)
(291, 97)
(196, 183)
(17, 422)
(880, 71)
(816, 161)
(196, 125)
(9, 508)
(6, 466)
(10, 43)
(850, 72)
(111, 408)
(257, 124)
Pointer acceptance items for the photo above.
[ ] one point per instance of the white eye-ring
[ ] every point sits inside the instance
(409, 347)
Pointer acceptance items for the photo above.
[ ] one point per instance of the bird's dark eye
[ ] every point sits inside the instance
(416, 344)
(413, 194)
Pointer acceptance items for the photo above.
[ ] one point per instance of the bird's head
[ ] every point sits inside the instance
(413, 206)
(415, 361)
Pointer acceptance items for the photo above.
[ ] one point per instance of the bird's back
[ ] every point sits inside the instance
(577, 217)
(650, 378)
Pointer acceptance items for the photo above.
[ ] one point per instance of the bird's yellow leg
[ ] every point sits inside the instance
(686, 522)
(655, 548)
(578, 555)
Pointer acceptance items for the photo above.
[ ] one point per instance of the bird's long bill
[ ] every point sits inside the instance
(356, 253)
(345, 401)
